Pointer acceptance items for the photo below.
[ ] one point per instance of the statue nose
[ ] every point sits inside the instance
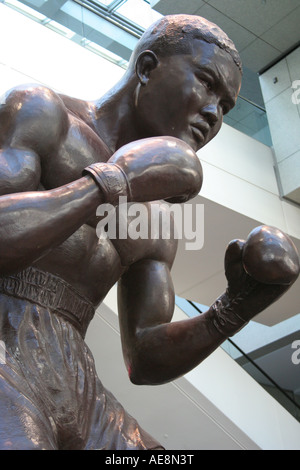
(210, 112)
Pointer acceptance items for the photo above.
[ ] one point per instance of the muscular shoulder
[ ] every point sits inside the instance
(144, 231)
(34, 117)
(83, 110)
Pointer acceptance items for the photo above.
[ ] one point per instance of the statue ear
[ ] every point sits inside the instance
(145, 63)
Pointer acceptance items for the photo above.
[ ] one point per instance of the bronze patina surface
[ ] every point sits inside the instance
(60, 159)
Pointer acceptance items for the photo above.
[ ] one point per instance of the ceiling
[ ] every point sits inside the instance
(262, 30)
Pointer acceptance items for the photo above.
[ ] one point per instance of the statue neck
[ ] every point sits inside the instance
(115, 115)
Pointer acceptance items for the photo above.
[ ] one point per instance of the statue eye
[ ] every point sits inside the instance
(206, 82)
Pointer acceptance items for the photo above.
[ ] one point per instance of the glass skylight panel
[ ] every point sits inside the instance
(58, 28)
(105, 2)
(139, 12)
(25, 10)
(105, 53)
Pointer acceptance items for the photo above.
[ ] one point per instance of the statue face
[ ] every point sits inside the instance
(186, 96)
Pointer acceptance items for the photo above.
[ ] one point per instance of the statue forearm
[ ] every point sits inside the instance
(168, 351)
(165, 352)
(32, 223)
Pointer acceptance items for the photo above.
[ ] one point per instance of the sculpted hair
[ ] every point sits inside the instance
(173, 34)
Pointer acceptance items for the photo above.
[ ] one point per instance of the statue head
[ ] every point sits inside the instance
(175, 34)
(188, 76)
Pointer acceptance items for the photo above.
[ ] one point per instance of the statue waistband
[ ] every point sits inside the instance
(51, 292)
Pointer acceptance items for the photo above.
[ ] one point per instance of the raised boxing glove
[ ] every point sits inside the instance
(259, 271)
(150, 169)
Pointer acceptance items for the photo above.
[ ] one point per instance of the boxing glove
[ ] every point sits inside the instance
(259, 270)
(270, 256)
(150, 169)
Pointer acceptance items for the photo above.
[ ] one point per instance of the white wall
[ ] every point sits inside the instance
(279, 87)
(239, 174)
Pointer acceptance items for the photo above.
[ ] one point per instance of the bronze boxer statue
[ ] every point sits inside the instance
(60, 159)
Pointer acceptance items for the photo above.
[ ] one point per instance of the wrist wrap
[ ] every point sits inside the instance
(224, 318)
(111, 180)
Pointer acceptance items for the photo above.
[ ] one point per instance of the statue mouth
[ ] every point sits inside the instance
(200, 131)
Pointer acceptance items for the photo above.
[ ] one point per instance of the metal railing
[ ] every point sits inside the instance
(251, 119)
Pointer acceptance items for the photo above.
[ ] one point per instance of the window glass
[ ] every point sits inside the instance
(105, 2)
(139, 12)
